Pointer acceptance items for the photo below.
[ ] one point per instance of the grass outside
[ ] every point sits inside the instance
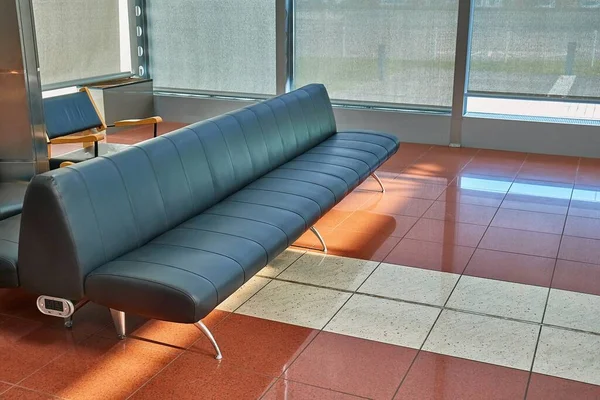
(342, 74)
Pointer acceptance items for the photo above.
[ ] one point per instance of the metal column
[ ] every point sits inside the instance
(23, 150)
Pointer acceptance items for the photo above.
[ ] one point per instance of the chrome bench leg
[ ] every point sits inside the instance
(200, 325)
(119, 321)
(374, 175)
(318, 235)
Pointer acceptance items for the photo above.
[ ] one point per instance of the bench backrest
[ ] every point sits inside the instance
(80, 217)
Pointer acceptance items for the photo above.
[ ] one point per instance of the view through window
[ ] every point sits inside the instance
(542, 49)
(80, 39)
(385, 51)
(212, 45)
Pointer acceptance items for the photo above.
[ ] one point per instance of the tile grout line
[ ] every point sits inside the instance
(309, 343)
(314, 386)
(450, 294)
(437, 318)
(537, 343)
(420, 349)
(428, 208)
(355, 292)
(174, 359)
(33, 391)
(271, 279)
(322, 328)
(442, 307)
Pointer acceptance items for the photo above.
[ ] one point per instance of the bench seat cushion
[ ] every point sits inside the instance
(185, 273)
(180, 276)
(9, 238)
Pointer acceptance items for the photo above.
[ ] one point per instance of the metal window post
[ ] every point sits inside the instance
(461, 71)
(281, 43)
(141, 40)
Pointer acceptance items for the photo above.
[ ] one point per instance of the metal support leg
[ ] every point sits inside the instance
(119, 321)
(200, 325)
(318, 235)
(374, 175)
(69, 319)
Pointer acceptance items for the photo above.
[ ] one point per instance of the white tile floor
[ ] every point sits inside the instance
(469, 317)
(411, 284)
(295, 304)
(243, 294)
(284, 260)
(330, 271)
(569, 355)
(573, 310)
(383, 320)
(502, 299)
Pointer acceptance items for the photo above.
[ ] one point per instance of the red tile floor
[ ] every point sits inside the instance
(475, 276)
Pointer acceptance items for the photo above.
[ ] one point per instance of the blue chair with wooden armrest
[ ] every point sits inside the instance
(74, 118)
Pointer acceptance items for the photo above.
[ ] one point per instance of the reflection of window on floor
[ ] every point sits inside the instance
(551, 191)
(483, 184)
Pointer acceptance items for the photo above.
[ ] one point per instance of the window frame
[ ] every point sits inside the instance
(285, 73)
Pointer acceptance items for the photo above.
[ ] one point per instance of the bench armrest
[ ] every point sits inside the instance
(91, 138)
(143, 121)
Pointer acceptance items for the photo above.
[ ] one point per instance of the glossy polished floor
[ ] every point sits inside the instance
(475, 276)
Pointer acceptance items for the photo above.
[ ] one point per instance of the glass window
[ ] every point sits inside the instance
(377, 50)
(536, 49)
(212, 45)
(81, 39)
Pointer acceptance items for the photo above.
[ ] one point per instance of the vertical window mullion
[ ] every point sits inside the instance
(461, 63)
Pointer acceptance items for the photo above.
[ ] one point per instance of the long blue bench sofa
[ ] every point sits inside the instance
(171, 227)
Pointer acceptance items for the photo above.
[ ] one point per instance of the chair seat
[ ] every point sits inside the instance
(9, 243)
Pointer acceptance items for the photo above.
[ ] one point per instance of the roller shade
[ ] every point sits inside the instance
(81, 39)
(536, 48)
(212, 45)
(384, 51)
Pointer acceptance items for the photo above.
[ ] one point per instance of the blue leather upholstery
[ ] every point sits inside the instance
(171, 227)
(11, 198)
(11, 204)
(9, 237)
(70, 113)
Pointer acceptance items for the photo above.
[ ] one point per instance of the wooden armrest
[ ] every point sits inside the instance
(143, 121)
(91, 138)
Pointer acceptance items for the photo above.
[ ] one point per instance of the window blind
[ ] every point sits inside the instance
(536, 48)
(390, 51)
(80, 39)
(213, 45)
